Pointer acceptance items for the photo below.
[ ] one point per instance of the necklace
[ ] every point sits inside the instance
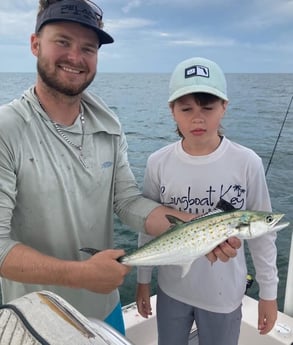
(65, 137)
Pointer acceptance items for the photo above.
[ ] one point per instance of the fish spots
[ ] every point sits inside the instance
(32, 160)
(186, 242)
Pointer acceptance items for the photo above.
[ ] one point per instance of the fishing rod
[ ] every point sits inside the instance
(279, 135)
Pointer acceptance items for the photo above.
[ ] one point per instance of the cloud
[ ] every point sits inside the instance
(16, 26)
(182, 3)
(127, 24)
(204, 42)
(195, 39)
(264, 14)
(18, 5)
(158, 32)
(132, 4)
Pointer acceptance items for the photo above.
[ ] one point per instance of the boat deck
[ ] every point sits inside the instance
(144, 332)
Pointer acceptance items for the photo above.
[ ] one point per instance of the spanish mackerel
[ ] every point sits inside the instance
(184, 242)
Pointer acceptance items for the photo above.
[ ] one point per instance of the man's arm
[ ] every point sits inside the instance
(100, 273)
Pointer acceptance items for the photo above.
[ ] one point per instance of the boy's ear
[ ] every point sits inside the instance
(225, 106)
(171, 106)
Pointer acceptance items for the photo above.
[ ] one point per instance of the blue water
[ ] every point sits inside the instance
(257, 108)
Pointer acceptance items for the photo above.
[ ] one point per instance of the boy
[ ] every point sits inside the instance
(191, 175)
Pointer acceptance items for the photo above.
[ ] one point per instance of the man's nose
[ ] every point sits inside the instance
(75, 54)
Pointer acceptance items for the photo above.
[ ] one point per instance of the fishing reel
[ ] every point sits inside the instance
(249, 282)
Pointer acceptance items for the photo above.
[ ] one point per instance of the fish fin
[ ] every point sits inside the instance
(221, 206)
(210, 213)
(174, 220)
(185, 269)
(91, 251)
(214, 211)
(224, 205)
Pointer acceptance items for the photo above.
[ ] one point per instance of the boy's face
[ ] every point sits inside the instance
(199, 124)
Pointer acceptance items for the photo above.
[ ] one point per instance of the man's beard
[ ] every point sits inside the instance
(52, 81)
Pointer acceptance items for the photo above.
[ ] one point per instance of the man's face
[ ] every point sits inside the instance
(67, 56)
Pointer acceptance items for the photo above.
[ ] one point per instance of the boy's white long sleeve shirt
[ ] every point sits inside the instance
(195, 184)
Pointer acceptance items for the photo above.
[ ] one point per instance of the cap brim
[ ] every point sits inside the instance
(196, 89)
(104, 38)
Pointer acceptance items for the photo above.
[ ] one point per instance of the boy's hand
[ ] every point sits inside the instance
(225, 250)
(267, 315)
(143, 300)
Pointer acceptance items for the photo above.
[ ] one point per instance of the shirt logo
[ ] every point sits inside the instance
(197, 70)
(106, 164)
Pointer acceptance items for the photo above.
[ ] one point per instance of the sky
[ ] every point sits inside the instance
(152, 36)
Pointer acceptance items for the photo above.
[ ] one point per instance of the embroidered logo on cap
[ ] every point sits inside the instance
(76, 10)
(197, 70)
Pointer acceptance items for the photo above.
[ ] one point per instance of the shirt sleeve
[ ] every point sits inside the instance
(150, 190)
(8, 186)
(263, 249)
(144, 273)
(129, 203)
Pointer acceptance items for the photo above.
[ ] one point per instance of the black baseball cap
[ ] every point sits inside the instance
(78, 11)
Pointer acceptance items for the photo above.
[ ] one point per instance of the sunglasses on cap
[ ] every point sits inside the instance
(84, 12)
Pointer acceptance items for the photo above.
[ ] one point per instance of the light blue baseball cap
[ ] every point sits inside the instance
(197, 75)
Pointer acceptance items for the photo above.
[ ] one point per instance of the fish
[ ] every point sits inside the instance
(185, 242)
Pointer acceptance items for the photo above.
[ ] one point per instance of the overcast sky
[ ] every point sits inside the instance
(154, 35)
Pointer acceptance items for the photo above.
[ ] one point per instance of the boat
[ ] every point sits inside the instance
(141, 331)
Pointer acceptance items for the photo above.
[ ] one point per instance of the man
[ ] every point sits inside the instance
(64, 172)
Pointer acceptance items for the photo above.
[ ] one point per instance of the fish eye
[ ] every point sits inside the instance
(269, 218)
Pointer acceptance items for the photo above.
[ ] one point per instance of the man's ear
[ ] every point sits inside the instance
(35, 44)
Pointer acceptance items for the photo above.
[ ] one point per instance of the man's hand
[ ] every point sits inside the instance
(225, 250)
(102, 273)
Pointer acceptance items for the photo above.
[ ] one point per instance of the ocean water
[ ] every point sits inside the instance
(258, 107)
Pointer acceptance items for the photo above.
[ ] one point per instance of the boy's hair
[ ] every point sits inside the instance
(201, 99)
